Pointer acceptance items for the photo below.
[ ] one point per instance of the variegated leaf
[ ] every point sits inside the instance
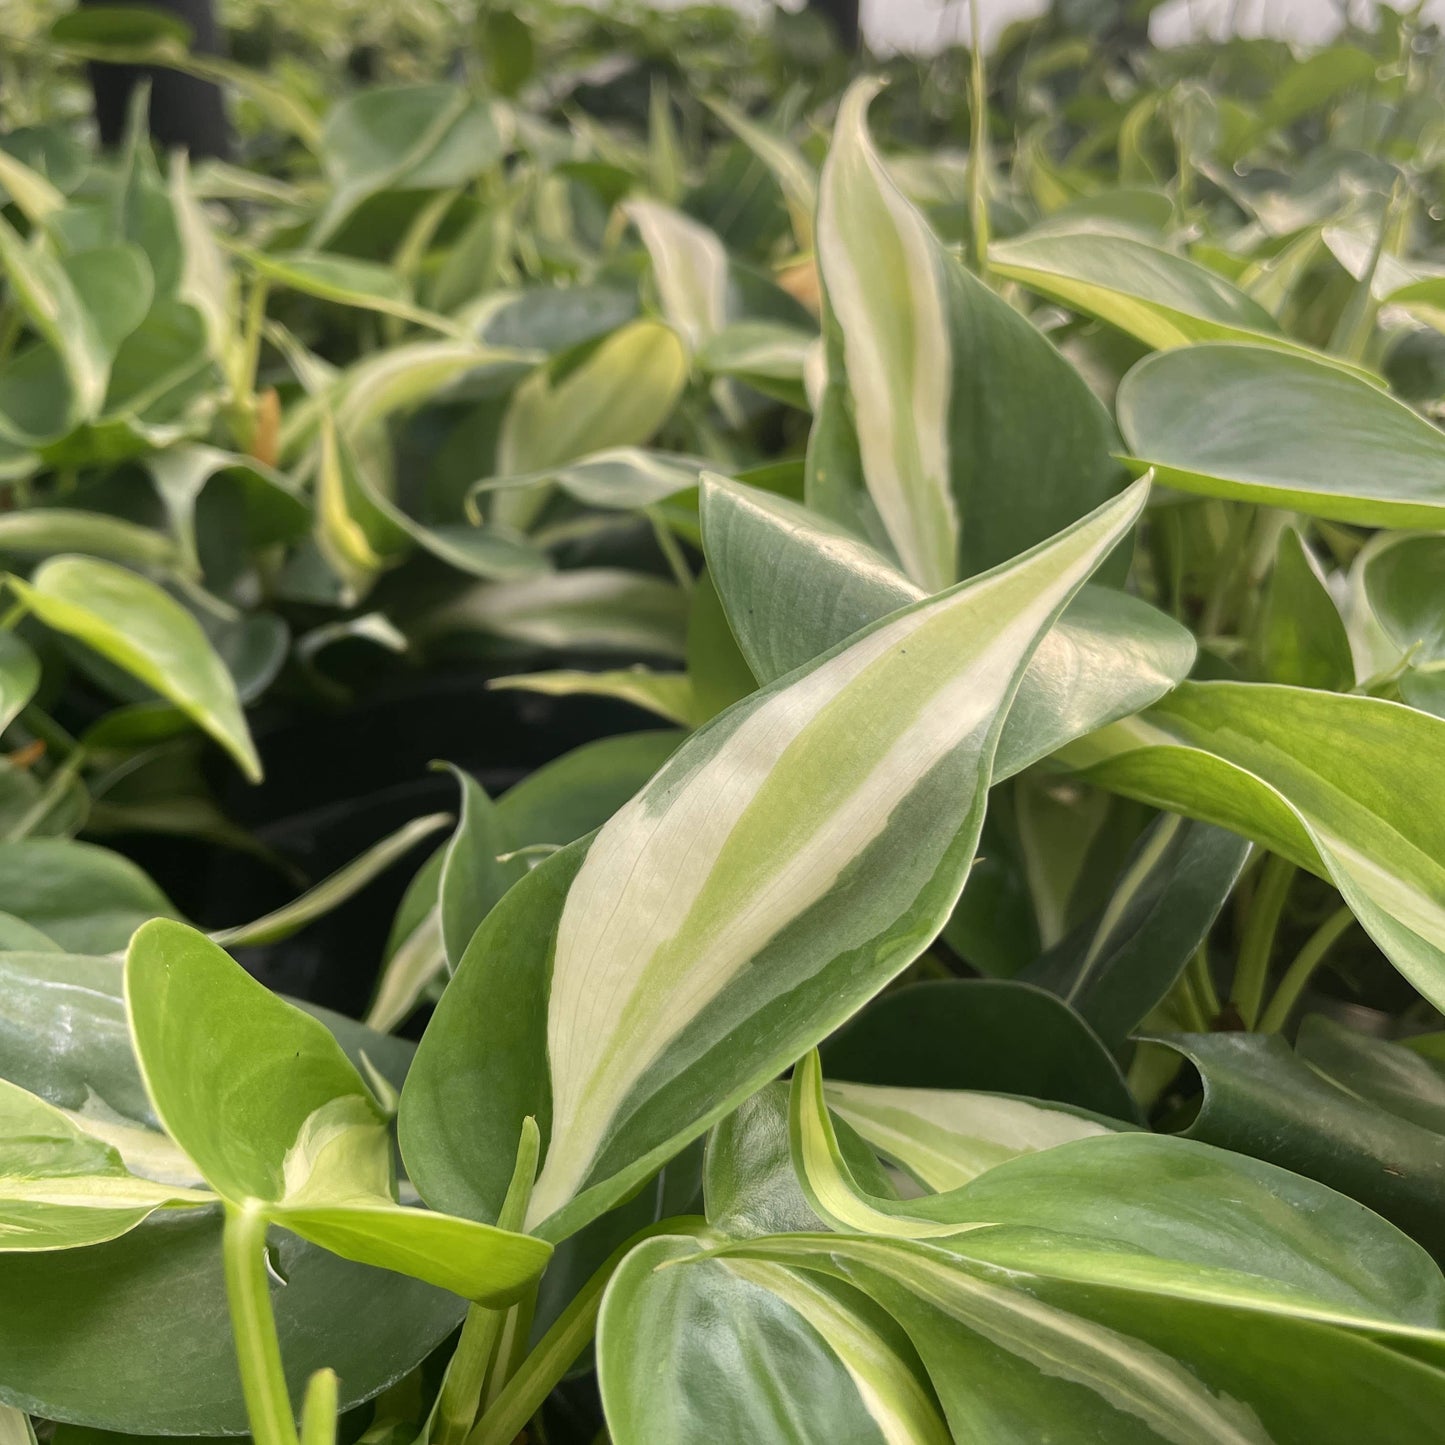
(795, 854)
(825, 1364)
(62, 1186)
(929, 437)
(1331, 781)
(946, 1137)
(691, 268)
(881, 265)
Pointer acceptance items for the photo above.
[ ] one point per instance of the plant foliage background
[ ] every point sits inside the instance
(925, 581)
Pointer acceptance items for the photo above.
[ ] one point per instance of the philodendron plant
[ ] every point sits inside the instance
(1001, 1005)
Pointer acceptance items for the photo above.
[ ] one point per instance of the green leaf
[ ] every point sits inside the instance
(793, 585)
(46, 530)
(19, 677)
(1300, 638)
(1405, 585)
(1257, 425)
(348, 282)
(88, 899)
(1116, 967)
(591, 607)
(1263, 1099)
(1331, 782)
(553, 806)
(1163, 299)
(134, 624)
(620, 478)
(837, 1196)
(50, 301)
(796, 177)
(987, 1034)
(119, 1368)
(473, 877)
(823, 1363)
(262, 1097)
(61, 1187)
(1019, 1352)
(938, 410)
(645, 996)
(570, 796)
(402, 137)
(159, 1355)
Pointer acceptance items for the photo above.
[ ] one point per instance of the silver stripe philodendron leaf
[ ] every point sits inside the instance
(792, 857)
(879, 262)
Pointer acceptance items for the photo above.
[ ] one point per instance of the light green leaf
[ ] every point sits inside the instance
(134, 624)
(823, 1365)
(690, 266)
(719, 889)
(333, 891)
(1258, 425)
(793, 585)
(1332, 782)
(945, 1138)
(32, 192)
(1163, 299)
(668, 694)
(206, 282)
(618, 396)
(262, 1097)
(61, 1187)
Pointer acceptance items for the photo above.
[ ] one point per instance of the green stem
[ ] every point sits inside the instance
(1299, 973)
(258, 1353)
(318, 1409)
(522, 1395)
(50, 795)
(1260, 927)
(1232, 555)
(1186, 1000)
(978, 141)
(672, 553)
(461, 1392)
(1205, 991)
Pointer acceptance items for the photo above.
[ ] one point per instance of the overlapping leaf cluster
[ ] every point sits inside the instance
(1003, 1002)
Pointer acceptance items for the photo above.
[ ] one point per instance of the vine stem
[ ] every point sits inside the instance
(1260, 927)
(258, 1352)
(461, 1393)
(1299, 973)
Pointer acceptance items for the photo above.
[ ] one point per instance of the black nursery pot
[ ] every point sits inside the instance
(336, 784)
